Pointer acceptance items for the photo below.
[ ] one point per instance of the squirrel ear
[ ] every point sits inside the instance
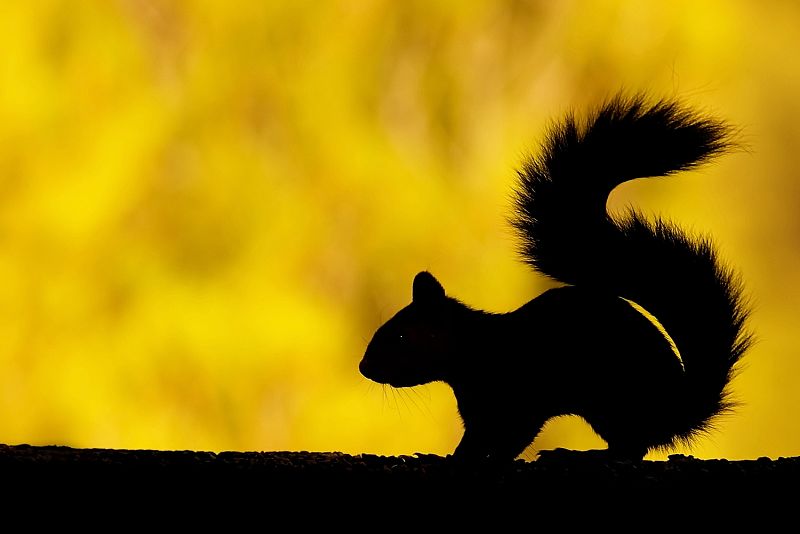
(426, 288)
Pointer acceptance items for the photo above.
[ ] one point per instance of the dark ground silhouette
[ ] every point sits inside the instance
(247, 491)
(322, 471)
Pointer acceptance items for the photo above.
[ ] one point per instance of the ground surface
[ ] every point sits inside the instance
(403, 484)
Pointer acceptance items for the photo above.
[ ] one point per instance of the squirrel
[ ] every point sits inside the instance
(586, 348)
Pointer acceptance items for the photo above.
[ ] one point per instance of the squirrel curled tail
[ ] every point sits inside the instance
(586, 348)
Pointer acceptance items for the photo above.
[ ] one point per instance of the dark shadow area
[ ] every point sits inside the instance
(306, 491)
(331, 475)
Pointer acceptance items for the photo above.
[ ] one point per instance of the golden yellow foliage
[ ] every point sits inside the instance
(206, 208)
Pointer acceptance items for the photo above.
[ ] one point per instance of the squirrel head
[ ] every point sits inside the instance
(415, 345)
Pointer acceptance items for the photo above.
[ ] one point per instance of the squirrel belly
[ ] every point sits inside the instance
(583, 348)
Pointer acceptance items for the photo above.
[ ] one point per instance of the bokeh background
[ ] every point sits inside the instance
(206, 208)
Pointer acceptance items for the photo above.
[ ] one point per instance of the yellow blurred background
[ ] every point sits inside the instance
(206, 208)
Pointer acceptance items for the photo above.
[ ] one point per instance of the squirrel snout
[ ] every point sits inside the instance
(371, 371)
(363, 368)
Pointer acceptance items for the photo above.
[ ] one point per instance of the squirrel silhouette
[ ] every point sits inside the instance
(586, 348)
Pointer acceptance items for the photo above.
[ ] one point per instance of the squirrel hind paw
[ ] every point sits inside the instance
(562, 455)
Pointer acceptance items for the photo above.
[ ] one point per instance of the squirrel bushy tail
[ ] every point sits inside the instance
(568, 235)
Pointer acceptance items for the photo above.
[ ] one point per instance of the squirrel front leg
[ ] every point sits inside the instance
(495, 441)
(471, 447)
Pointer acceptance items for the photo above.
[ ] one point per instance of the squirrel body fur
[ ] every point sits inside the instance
(583, 349)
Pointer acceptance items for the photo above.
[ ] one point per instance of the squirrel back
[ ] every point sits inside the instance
(583, 349)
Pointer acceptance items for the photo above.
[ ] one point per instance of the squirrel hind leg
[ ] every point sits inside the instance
(625, 448)
(627, 452)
